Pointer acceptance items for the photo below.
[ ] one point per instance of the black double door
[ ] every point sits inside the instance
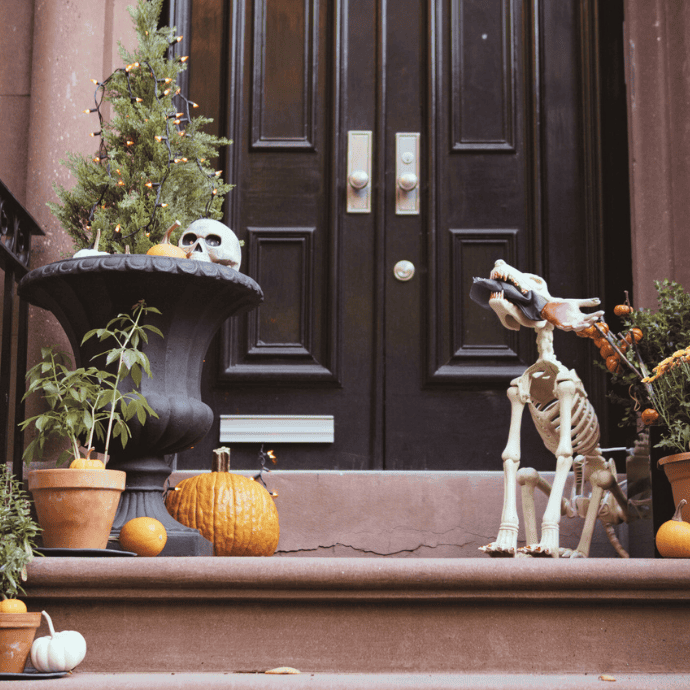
(477, 124)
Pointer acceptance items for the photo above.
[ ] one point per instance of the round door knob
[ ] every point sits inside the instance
(403, 270)
(358, 179)
(407, 182)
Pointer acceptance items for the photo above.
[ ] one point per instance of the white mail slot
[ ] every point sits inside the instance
(239, 428)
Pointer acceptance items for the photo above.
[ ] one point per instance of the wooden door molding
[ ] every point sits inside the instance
(286, 67)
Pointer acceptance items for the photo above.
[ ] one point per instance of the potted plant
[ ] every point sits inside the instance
(86, 406)
(649, 359)
(17, 533)
(152, 166)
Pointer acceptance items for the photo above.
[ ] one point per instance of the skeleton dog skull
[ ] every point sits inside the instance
(523, 299)
(209, 240)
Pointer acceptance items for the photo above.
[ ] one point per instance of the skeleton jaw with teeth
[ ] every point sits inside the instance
(523, 299)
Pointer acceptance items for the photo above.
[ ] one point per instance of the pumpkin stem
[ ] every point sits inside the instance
(221, 460)
(97, 240)
(679, 508)
(170, 231)
(50, 623)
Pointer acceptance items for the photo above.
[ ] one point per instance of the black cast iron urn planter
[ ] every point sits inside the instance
(194, 299)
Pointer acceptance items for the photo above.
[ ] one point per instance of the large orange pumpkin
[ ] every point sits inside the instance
(233, 512)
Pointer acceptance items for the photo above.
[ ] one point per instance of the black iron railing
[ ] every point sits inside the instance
(16, 230)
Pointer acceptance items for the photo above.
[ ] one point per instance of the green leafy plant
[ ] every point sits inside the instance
(650, 364)
(17, 533)
(152, 165)
(86, 403)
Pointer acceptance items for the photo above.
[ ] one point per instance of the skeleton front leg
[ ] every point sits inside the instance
(506, 541)
(550, 526)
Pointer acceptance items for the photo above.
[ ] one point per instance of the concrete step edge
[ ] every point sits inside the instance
(364, 681)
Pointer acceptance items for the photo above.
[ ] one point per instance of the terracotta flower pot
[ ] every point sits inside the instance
(76, 508)
(17, 632)
(677, 469)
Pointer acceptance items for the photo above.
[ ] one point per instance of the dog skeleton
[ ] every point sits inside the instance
(563, 416)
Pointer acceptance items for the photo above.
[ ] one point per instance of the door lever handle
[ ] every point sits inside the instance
(359, 154)
(407, 173)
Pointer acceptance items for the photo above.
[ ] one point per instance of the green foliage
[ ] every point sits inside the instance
(86, 403)
(152, 166)
(17, 533)
(665, 331)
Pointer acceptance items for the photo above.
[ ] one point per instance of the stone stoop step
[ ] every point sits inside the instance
(328, 681)
(347, 616)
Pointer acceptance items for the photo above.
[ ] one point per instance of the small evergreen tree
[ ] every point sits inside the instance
(152, 165)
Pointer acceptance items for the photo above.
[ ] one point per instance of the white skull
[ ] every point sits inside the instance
(209, 240)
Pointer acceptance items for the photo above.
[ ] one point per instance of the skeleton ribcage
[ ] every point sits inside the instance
(584, 428)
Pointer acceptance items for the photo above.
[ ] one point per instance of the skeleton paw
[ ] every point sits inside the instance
(537, 550)
(572, 553)
(493, 549)
(505, 544)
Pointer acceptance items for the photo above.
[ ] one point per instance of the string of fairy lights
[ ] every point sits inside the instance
(178, 117)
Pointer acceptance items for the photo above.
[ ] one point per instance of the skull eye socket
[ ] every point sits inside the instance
(213, 240)
(188, 239)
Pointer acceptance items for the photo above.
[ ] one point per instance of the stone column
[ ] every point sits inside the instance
(657, 68)
(74, 41)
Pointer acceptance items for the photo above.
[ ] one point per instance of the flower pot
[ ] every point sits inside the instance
(17, 632)
(677, 469)
(76, 508)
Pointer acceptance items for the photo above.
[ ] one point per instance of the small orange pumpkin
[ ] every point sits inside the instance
(649, 416)
(589, 332)
(87, 463)
(673, 537)
(12, 606)
(606, 350)
(613, 364)
(622, 309)
(233, 512)
(166, 247)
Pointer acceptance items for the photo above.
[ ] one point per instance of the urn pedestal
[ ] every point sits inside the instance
(194, 298)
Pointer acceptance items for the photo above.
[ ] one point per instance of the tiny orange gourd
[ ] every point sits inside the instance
(622, 309)
(87, 463)
(673, 537)
(166, 247)
(606, 350)
(12, 606)
(613, 364)
(145, 536)
(589, 332)
(235, 513)
(649, 416)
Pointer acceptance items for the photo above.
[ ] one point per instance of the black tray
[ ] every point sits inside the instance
(82, 553)
(32, 674)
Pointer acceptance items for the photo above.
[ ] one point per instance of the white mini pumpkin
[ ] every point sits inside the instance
(91, 251)
(58, 652)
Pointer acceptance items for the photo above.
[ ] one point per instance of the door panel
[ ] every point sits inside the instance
(504, 97)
